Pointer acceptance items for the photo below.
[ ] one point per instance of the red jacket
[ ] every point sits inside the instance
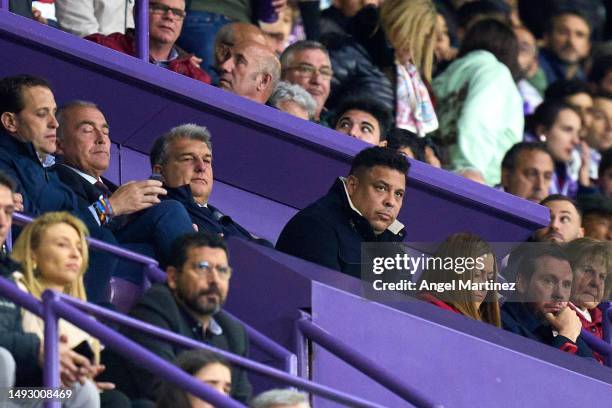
(126, 44)
(595, 327)
(437, 302)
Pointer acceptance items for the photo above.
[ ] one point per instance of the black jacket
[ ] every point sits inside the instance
(517, 318)
(23, 346)
(329, 232)
(358, 58)
(84, 190)
(158, 307)
(209, 218)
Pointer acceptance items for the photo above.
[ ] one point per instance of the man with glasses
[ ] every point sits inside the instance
(165, 23)
(307, 64)
(189, 305)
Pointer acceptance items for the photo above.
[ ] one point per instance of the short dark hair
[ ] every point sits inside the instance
(11, 91)
(181, 246)
(531, 253)
(546, 114)
(564, 88)
(190, 361)
(512, 155)
(7, 182)
(379, 156)
(561, 197)
(605, 162)
(497, 38)
(561, 11)
(399, 138)
(369, 105)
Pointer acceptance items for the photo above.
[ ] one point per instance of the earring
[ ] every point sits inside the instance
(35, 268)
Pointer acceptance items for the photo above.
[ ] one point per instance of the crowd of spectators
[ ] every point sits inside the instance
(504, 93)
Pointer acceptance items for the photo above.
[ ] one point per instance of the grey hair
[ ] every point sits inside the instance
(279, 398)
(59, 116)
(287, 56)
(286, 91)
(191, 131)
(466, 171)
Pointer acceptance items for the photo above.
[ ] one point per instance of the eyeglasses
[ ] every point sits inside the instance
(308, 70)
(204, 270)
(157, 8)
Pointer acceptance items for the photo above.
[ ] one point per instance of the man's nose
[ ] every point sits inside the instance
(53, 123)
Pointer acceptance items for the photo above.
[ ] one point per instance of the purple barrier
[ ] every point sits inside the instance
(4, 5)
(364, 364)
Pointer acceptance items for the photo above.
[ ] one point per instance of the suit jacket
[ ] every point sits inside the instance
(158, 307)
(84, 190)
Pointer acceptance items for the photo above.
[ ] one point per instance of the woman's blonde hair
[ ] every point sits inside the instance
(410, 24)
(29, 240)
(464, 246)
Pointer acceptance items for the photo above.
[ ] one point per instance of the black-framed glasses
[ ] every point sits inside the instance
(204, 270)
(308, 70)
(158, 8)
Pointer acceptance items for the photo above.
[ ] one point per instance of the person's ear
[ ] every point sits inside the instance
(383, 143)
(9, 121)
(540, 133)
(581, 233)
(505, 177)
(352, 182)
(172, 277)
(264, 82)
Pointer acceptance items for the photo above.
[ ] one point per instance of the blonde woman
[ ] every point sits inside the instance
(53, 254)
(410, 28)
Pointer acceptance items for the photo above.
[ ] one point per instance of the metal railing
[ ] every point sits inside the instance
(366, 365)
(56, 305)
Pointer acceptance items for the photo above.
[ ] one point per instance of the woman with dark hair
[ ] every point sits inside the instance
(558, 124)
(205, 366)
(480, 108)
(463, 249)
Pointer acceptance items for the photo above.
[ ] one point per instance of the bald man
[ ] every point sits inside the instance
(231, 34)
(252, 71)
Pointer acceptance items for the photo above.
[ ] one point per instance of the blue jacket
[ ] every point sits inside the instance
(209, 218)
(329, 232)
(41, 188)
(517, 318)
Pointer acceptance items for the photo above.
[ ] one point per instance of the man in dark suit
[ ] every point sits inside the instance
(137, 215)
(183, 159)
(189, 305)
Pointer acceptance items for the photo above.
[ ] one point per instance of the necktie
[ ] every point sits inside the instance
(103, 189)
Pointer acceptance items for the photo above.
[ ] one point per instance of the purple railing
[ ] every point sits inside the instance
(4, 5)
(56, 305)
(366, 365)
(142, 29)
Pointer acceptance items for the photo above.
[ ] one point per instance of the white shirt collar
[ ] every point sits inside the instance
(87, 177)
(395, 227)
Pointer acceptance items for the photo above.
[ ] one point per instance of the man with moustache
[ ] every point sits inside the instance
(565, 220)
(165, 23)
(189, 304)
(539, 309)
(567, 44)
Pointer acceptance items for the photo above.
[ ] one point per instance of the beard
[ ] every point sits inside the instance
(203, 303)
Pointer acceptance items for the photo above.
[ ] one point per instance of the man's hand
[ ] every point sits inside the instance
(566, 322)
(585, 162)
(38, 16)
(135, 196)
(195, 61)
(18, 200)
